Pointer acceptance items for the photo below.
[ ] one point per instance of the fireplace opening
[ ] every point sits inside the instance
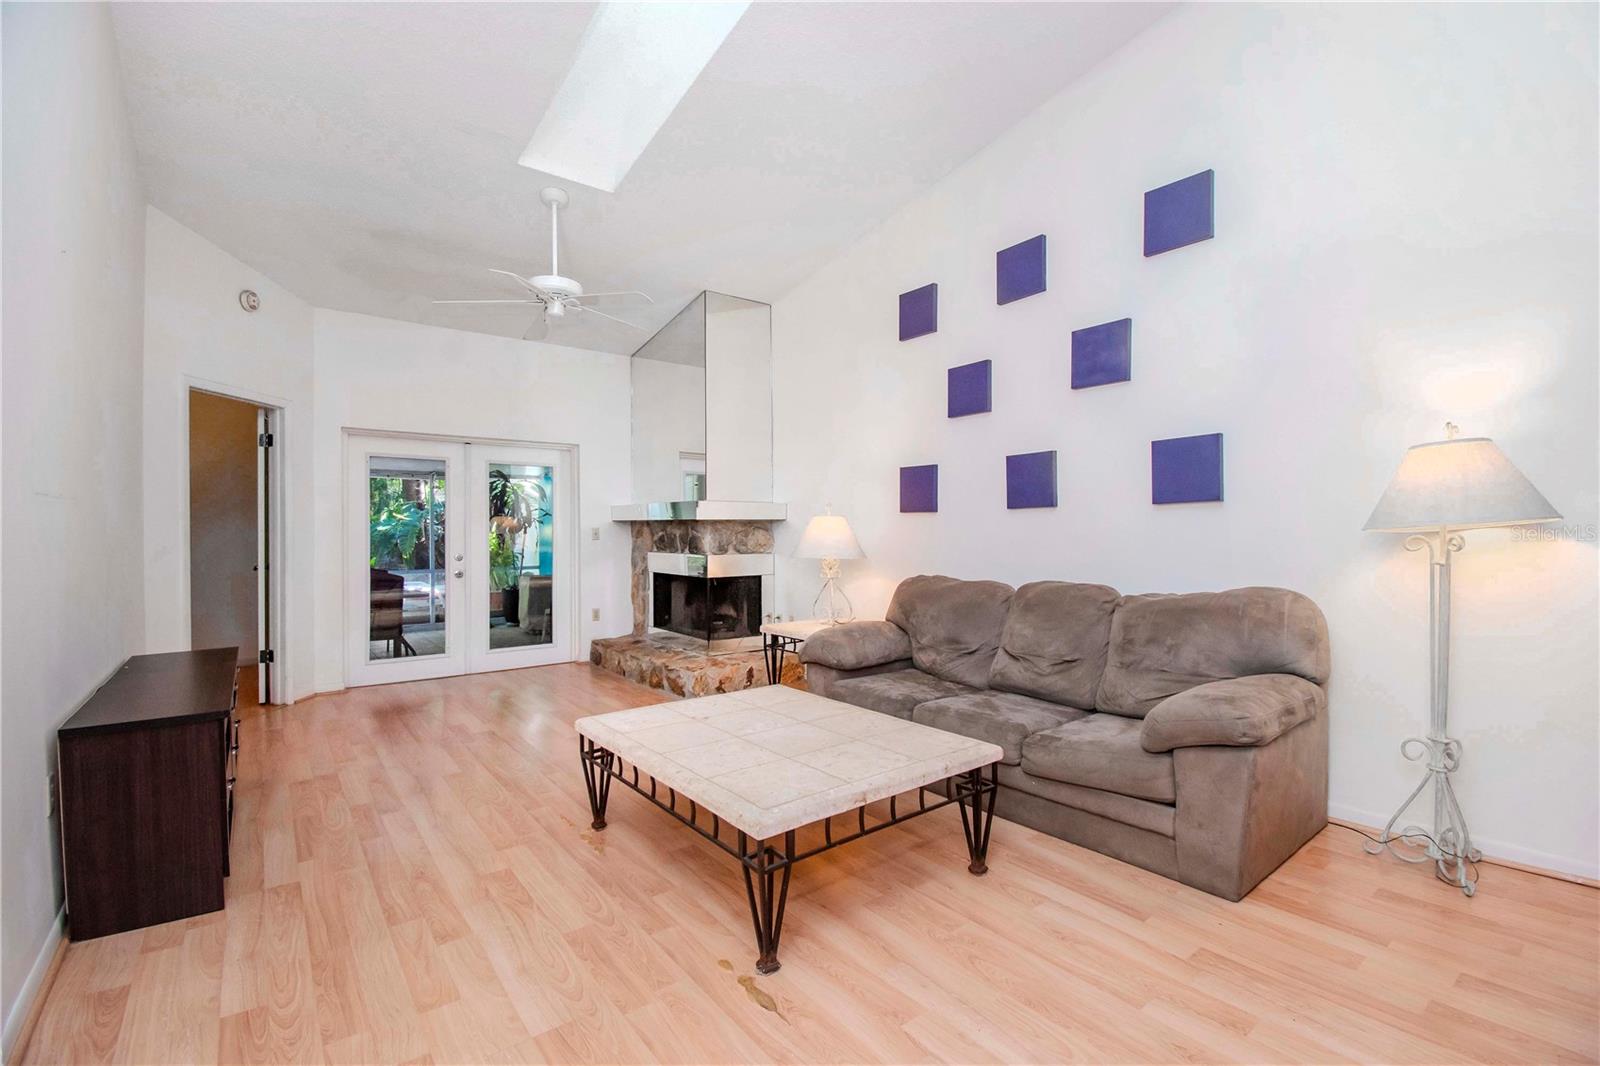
(710, 609)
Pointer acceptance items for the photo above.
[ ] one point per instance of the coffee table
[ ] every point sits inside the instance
(747, 769)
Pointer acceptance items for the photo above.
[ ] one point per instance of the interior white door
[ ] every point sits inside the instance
(405, 559)
(520, 557)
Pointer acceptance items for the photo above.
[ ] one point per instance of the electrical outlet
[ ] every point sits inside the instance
(49, 794)
(594, 533)
(594, 615)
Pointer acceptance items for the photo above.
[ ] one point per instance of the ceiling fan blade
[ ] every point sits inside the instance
(614, 318)
(539, 330)
(485, 301)
(608, 295)
(518, 278)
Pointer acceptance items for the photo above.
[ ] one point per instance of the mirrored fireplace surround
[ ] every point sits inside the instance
(720, 599)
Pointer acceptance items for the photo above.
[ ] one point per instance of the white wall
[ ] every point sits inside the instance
(71, 528)
(375, 373)
(1406, 232)
(197, 334)
(738, 399)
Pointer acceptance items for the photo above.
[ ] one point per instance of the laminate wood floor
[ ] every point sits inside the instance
(414, 880)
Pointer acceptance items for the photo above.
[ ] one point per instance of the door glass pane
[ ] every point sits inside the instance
(521, 554)
(405, 519)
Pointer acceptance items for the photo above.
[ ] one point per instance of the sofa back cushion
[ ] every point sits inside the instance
(1053, 646)
(954, 625)
(1164, 644)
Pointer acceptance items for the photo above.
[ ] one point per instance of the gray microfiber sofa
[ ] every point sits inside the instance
(1187, 734)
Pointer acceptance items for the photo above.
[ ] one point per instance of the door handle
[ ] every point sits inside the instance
(461, 573)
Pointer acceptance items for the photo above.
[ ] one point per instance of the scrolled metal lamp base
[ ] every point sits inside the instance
(1449, 846)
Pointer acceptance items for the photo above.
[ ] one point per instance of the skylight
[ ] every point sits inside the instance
(633, 66)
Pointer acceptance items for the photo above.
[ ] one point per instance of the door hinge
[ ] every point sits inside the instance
(264, 440)
(267, 657)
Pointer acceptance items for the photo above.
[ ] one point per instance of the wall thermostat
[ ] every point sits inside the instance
(249, 300)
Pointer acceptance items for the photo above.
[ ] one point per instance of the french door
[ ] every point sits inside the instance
(460, 558)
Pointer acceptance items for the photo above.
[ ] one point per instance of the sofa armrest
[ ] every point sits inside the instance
(856, 645)
(1241, 712)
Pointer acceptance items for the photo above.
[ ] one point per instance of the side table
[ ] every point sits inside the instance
(778, 639)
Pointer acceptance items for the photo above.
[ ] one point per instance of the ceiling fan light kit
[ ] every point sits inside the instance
(554, 294)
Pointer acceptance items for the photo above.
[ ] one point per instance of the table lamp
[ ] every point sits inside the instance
(828, 537)
(1441, 487)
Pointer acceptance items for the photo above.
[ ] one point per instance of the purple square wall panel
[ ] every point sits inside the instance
(1186, 469)
(1180, 214)
(969, 389)
(919, 489)
(1030, 480)
(919, 312)
(1019, 270)
(1103, 354)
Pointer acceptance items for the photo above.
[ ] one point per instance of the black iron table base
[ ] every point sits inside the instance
(767, 867)
(776, 648)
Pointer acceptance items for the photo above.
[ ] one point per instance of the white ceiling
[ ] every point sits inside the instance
(365, 155)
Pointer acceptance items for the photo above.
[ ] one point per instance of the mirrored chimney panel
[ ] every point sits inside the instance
(669, 410)
(702, 405)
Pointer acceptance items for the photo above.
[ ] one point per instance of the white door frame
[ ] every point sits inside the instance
(567, 527)
(278, 421)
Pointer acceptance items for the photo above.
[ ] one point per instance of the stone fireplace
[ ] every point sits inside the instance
(701, 590)
(701, 506)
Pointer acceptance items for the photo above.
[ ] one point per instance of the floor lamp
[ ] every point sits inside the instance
(1442, 487)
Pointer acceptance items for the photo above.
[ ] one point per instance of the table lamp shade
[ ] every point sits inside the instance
(828, 536)
(1462, 483)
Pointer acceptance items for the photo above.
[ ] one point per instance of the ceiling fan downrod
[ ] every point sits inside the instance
(556, 199)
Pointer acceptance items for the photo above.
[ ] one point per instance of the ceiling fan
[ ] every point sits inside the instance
(557, 297)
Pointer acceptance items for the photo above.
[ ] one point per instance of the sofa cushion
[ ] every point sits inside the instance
(1054, 642)
(954, 625)
(1101, 751)
(1162, 645)
(896, 692)
(1003, 718)
(1159, 818)
(856, 645)
(1242, 712)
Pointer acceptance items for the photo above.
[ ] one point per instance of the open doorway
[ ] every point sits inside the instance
(230, 530)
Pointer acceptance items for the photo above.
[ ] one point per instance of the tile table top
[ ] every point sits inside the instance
(799, 629)
(767, 760)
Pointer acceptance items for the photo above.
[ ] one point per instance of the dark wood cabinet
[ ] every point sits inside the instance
(146, 783)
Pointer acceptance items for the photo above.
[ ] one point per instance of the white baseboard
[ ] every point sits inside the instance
(18, 1014)
(1492, 849)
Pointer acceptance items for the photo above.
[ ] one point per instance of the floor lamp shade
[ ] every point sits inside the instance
(828, 536)
(1462, 483)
